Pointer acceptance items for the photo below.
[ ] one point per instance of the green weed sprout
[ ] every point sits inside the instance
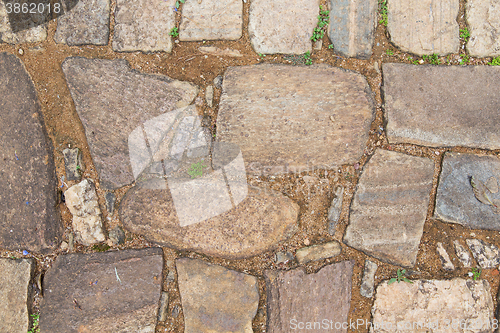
(174, 32)
(35, 328)
(401, 277)
(476, 273)
(319, 31)
(465, 34)
(196, 170)
(495, 62)
(178, 3)
(307, 58)
(383, 12)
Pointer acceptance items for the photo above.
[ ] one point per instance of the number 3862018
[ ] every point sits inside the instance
(32, 8)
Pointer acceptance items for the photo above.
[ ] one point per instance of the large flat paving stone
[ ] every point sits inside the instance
(455, 200)
(289, 118)
(424, 27)
(389, 207)
(292, 35)
(295, 300)
(483, 18)
(115, 291)
(442, 105)
(112, 100)
(211, 20)
(15, 277)
(28, 216)
(216, 299)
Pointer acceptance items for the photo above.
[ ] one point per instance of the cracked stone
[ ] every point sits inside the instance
(483, 21)
(444, 257)
(487, 255)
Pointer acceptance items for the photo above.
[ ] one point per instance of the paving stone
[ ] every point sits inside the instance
(368, 281)
(112, 100)
(211, 20)
(444, 257)
(116, 291)
(455, 200)
(318, 252)
(19, 31)
(15, 294)
(295, 297)
(390, 206)
(487, 255)
(216, 299)
(433, 305)
(297, 20)
(143, 25)
(117, 236)
(352, 27)
(462, 254)
(424, 27)
(73, 164)
(86, 23)
(431, 105)
(483, 20)
(28, 186)
(215, 51)
(163, 311)
(110, 202)
(281, 116)
(335, 210)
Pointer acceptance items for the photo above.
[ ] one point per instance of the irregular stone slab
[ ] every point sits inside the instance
(86, 23)
(462, 254)
(283, 257)
(487, 255)
(112, 100)
(455, 200)
(28, 186)
(483, 20)
(420, 306)
(335, 210)
(430, 105)
(115, 291)
(444, 257)
(216, 299)
(281, 116)
(22, 33)
(73, 164)
(352, 27)
(296, 299)
(297, 20)
(15, 277)
(367, 284)
(424, 27)
(389, 207)
(318, 252)
(211, 20)
(143, 25)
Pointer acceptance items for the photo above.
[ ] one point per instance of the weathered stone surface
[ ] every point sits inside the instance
(103, 292)
(281, 116)
(444, 257)
(28, 217)
(352, 27)
(117, 235)
(216, 299)
(455, 200)
(73, 164)
(424, 27)
(483, 20)
(294, 296)
(34, 34)
(487, 255)
(297, 20)
(143, 25)
(216, 51)
(318, 252)
(218, 81)
(462, 254)
(335, 210)
(424, 304)
(110, 202)
(283, 257)
(112, 100)
(367, 284)
(431, 105)
(163, 310)
(389, 207)
(86, 23)
(15, 277)
(209, 95)
(211, 20)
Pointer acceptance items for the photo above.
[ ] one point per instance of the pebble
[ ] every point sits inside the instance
(283, 257)
(368, 282)
(462, 254)
(162, 313)
(218, 81)
(117, 235)
(21, 51)
(318, 252)
(444, 257)
(110, 202)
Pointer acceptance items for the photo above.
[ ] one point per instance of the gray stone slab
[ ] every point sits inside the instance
(352, 27)
(28, 216)
(292, 35)
(216, 299)
(483, 20)
(442, 105)
(424, 27)
(295, 298)
(211, 20)
(390, 206)
(318, 252)
(462, 254)
(116, 291)
(368, 282)
(33, 34)
(487, 255)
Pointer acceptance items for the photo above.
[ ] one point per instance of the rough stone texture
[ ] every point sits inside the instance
(487, 255)
(28, 218)
(216, 299)
(308, 297)
(352, 27)
(209, 95)
(424, 27)
(34, 34)
(103, 292)
(81, 200)
(433, 302)
(283, 257)
(483, 20)
(163, 310)
(442, 105)
(368, 283)
(455, 200)
(86, 23)
(335, 210)
(110, 198)
(112, 100)
(462, 254)
(444, 257)
(211, 20)
(280, 116)
(389, 207)
(15, 277)
(143, 25)
(73, 164)
(216, 51)
(117, 235)
(318, 252)
(297, 20)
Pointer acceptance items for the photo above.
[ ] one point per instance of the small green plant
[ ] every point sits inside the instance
(415, 62)
(262, 56)
(465, 34)
(401, 277)
(330, 46)
(100, 247)
(495, 62)
(174, 32)
(433, 59)
(476, 273)
(464, 59)
(35, 328)
(307, 58)
(178, 3)
(196, 170)
(383, 12)
(389, 52)
(319, 31)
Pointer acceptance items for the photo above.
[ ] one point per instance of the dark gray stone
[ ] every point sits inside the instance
(110, 202)
(73, 164)
(487, 255)
(335, 210)
(117, 236)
